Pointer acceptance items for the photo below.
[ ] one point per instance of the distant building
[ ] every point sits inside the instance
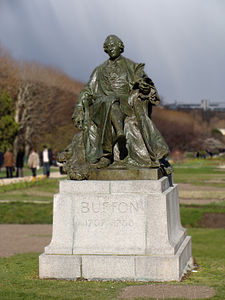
(218, 106)
(204, 105)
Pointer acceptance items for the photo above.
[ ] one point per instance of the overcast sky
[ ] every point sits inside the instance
(182, 42)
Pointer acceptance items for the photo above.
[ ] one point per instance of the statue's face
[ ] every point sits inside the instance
(113, 49)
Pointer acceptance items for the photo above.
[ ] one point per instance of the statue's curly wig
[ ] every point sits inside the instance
(115, 39)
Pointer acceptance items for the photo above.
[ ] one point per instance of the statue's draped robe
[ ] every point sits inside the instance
(114, 81)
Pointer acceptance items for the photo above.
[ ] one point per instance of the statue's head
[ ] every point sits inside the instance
(113, 46)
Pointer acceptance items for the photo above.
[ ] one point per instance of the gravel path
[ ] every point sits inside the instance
(198, 201)
(163, 291)
(15, 238)
(6, 181)
(190, 187)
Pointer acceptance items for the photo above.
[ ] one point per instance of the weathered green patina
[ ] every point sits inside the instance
(113, 113)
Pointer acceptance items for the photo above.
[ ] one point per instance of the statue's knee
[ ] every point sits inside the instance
(115, 106)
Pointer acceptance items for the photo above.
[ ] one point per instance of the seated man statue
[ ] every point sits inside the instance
(113, 113)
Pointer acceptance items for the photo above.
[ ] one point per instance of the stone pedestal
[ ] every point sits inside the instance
(117, 230)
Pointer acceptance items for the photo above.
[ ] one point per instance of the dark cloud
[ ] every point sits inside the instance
(181, 42)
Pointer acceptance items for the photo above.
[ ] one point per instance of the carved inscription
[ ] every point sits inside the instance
(111, 207)
(117, 214)
(107, 222)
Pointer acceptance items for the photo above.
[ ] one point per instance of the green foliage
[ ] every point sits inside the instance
(6, 104)
(216, 132)
(8, 126)
(59, 138)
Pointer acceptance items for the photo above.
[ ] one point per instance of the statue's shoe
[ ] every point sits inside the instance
(121, 140)
(103, 163)
(155, 164)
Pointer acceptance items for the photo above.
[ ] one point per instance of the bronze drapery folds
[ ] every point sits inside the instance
(113, 114)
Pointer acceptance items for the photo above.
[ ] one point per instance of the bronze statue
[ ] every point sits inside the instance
(113, 113)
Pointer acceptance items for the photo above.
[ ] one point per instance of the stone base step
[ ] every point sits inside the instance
(118, 267)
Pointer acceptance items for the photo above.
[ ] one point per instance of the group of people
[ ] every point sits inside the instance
(45, 159)
(7, 161)
(34, 161)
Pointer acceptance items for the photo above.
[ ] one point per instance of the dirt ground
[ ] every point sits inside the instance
(190, 187)
(210, 220)
(15, 238)
(163, 291)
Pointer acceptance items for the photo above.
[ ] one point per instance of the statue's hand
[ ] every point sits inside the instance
(144, 86)
(78, 117)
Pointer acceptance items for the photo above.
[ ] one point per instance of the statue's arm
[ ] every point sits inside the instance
(147, 90)
(81, 110)
(154, 96)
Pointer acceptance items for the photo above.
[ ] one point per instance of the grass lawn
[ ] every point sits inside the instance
(194, 171)
(30, 191)
(201, 172)
(19, 274)
(41, 213)
(25, 213)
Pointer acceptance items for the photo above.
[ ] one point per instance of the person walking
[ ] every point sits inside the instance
(46, 161)
(1, 159)
(33, 162)
(19, 162)
(9, 163)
